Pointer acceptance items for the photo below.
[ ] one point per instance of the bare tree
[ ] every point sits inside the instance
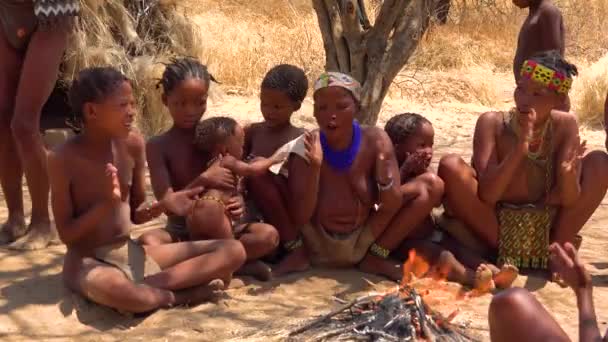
(373, 54)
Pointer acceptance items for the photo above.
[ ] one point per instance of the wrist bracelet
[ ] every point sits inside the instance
(384, 187)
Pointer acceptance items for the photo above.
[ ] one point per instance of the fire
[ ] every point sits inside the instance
(414, 266)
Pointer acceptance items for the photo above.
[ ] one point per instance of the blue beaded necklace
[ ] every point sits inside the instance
(342, 160)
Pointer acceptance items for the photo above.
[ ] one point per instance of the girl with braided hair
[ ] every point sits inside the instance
(175, 164)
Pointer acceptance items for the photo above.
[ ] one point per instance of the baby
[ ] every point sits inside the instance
(221, 140)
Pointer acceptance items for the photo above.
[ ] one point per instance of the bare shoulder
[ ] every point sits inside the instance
(564, 120)
(63, 155)
(157, 143)
(549, 9)
(491, 118)
(377, 137)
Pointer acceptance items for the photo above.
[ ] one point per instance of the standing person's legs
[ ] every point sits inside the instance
(461, 200)
(11, 172)
(515, 315)
(38, 77)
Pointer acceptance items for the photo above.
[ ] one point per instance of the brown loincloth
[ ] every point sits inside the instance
(335, 250)
(130, 258)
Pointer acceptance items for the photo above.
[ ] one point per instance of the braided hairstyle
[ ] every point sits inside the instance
(289, 79)
(401, 126)
(92, 85)
(553, 59)
(212, 132)
(181, 69)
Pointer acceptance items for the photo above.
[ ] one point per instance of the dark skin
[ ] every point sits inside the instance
(25, 86)
(262, 139)
(535, 323)
(606, 117)
(339, 201)
(414, 155)
(90, 216)
(174, 162)
(499, 174)
(543, 30)
(209, 219)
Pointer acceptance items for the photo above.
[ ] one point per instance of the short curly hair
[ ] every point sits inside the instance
(289, 79)
(402, 126)
(212, 132)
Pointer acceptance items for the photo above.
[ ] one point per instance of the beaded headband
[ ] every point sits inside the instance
(553, 80)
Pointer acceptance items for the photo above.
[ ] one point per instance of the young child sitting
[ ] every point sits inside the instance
(413, 136)
(175, 164)
(283, 89)
(220, 140)
(98, 190)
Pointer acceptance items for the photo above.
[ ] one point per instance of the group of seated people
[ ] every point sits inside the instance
(342, 195)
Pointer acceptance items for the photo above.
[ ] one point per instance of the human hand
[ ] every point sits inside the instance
(279, 157)
(180, 203)
(217, 176)
(572, 164)
(112, 175)
(526, 128)
(314, 152)
(415, 164)
(569, 267)
(235, 207)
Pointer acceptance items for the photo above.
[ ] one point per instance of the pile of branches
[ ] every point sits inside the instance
(397, 316)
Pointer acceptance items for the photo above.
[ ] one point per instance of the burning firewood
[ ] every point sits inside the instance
(400, 315)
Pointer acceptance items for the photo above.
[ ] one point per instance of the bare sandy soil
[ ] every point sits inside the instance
(35, 306)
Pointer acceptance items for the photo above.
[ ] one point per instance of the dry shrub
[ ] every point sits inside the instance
(589, 93)
(107, 34)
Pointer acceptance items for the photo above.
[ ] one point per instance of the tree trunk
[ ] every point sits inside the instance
(373, 55)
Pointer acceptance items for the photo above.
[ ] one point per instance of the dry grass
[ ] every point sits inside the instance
(241, 39)
(590, 92)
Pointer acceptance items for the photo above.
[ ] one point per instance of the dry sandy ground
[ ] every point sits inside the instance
(34, 304)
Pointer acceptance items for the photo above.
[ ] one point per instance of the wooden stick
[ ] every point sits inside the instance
(331, 314)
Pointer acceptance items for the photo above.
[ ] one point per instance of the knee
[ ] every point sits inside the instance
(234, 254)
(149, 240)
(449, 166)
(270, 236)
(507, 303)
(595, 165)
(434, 186)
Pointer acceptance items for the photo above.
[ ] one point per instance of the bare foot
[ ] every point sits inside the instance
(506, 276)
(256, 269)
(296, 261)
(385, 267)
(11, 230)
(199, 294)
(483, 279)
(39, 236)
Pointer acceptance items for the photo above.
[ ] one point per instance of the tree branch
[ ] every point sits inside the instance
(331, 56)
(408, 32)
(342, 53)
(354, 38)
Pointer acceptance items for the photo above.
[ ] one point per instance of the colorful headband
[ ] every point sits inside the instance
(548, 77)
(336, 79)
